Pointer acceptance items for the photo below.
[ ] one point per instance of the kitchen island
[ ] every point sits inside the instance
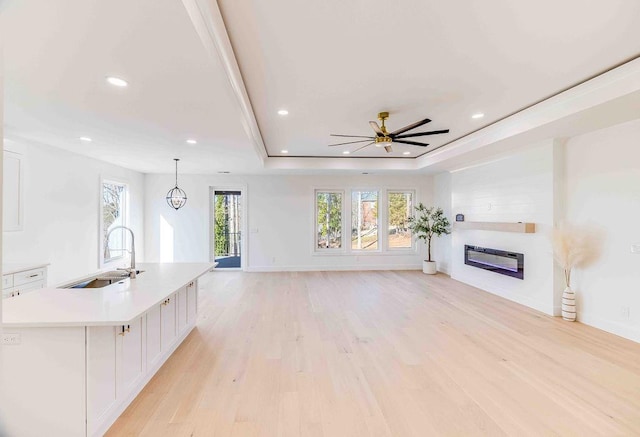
(76, 358)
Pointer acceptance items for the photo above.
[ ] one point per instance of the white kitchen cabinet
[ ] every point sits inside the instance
(115, 368)
(168, 321)
(153, 342)
(129, 362)
(192, 302)
(13, 192)
(23, 279)
(181, 309)
(101, 374)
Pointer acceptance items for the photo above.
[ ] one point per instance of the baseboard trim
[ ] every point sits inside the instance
(333, 268)
(625, 331)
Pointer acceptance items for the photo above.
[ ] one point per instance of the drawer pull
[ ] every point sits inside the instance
(125, 330)
(34, 275)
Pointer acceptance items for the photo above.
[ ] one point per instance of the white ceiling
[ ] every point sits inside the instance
(57, 54)
(333, 64)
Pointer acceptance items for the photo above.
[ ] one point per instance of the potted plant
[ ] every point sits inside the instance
(573, 246)
(426, 223)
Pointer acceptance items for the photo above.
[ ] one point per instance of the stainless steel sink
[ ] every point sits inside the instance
(93, 283)
(103, 279)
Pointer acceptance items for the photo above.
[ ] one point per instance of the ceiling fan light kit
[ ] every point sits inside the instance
(384, 138)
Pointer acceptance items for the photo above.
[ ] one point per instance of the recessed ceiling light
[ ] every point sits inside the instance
(283, 112)
(478, 115)
(406, 153)
(85, 139)
(346, 152)
(284, 151)
(116, 81)
(191, 141)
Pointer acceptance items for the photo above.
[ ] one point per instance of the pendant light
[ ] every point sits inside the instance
(176, 197)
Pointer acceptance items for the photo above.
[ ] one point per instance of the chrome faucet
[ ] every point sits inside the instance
(132, 269)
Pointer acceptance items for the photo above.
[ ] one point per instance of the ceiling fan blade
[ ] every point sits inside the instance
(350, 142)
(422, 134)
(352, 136)
(362, 147)
(411, 126)
(413, 143)
(388, 149)
(376, 128)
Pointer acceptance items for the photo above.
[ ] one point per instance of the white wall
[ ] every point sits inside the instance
(603, 189)
(441, 247)
(280, 220)
(61, 211)
(518, 188)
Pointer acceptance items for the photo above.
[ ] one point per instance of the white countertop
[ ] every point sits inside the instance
(115, 304)
(8, 269)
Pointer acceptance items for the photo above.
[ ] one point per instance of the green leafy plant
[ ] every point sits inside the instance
(428, 222)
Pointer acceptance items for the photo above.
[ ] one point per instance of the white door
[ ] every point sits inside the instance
(129, 357)
(168, 322)
(192, 302)
(101, 374)
(154, 343)
(182, 309)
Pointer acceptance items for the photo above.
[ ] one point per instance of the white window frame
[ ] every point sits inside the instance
(343, 240)
(379, 221)
(126, 221)
(414, 246)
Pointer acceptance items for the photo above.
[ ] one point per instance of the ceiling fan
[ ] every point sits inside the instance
(384, 139)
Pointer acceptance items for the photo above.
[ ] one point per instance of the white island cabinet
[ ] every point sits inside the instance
(82, 355)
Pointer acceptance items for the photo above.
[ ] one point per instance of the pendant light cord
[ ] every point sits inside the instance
(176, 160)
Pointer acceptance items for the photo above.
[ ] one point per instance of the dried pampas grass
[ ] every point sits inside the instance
(575, 246)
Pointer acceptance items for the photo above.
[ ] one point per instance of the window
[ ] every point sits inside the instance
(328, 220)
(113, 214)
(364, 220)
(400, 205)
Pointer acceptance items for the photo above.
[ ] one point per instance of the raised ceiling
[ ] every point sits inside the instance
(333, 65)
(57, 54)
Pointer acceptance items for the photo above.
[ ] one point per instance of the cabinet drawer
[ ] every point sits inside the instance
(22, 290)
(7, 281)
(28, 276)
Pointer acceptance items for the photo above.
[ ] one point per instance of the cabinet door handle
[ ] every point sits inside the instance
(125, 330)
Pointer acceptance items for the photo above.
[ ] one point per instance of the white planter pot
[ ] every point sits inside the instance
(429, 267)
(569, 305)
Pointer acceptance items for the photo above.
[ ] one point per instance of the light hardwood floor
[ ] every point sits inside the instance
(384, 354)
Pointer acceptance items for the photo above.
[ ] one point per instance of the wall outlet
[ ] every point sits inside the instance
(11, 339)
(625, 312)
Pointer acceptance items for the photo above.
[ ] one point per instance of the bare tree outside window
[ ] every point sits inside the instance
(328, 220)
(113, 214)
(400, 209)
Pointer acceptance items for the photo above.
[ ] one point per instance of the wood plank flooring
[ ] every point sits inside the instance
(383, 354)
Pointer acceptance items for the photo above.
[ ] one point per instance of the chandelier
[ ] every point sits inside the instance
(176, 197)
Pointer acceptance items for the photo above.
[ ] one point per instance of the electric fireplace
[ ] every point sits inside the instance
(499, 261)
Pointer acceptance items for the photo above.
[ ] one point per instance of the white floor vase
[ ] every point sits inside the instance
(569, 305)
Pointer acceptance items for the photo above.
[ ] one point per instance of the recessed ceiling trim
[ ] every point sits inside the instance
(209, 24)
(339, 163)
(611, 85)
